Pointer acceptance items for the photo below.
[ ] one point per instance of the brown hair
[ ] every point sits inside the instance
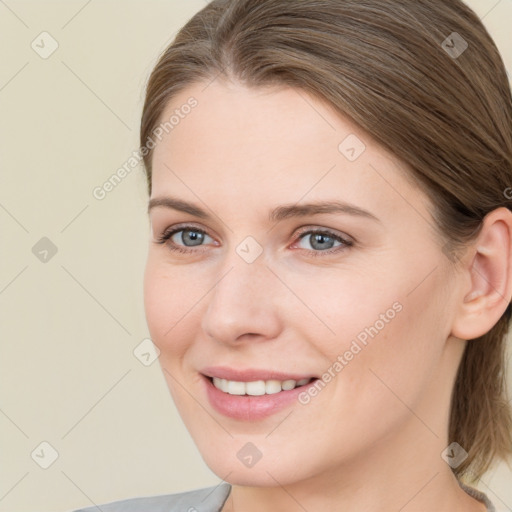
(396, 68)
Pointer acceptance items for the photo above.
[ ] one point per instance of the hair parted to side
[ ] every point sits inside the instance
(382, 64)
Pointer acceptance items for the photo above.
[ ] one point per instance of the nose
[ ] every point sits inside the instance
(244, 304)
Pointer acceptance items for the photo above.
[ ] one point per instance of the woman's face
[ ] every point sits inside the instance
(266, 279)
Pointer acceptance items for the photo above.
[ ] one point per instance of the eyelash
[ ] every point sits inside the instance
(166, 235)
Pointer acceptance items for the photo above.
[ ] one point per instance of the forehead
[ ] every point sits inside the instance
(247, 123)
(279, 144)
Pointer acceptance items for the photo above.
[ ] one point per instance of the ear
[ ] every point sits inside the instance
(487, 288)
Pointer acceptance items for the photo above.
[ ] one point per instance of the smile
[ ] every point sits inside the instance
(257, 387)
(252, 395)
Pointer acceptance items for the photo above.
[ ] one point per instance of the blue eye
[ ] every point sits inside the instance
(323, 241)
(188, 236)
(184, 238)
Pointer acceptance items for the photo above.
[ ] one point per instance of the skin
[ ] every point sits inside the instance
(372, 439)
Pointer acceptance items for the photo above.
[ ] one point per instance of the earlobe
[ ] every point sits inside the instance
(490, 278)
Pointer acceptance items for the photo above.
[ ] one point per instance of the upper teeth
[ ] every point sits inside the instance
(257, 387)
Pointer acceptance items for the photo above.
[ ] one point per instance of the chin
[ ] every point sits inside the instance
(273, 468)
(254, 477)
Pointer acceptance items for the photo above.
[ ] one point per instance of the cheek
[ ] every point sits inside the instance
(404, 335)
(169, 306)
(381, 321)
(349, 305)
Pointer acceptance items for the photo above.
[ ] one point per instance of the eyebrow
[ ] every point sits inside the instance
(277, 214)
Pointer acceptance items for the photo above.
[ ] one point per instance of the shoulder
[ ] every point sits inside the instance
(206, 499)
(479, 495)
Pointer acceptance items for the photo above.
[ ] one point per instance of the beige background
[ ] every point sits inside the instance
(69, 376)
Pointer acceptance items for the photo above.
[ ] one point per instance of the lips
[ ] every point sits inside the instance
(250, 375)
(248, 407)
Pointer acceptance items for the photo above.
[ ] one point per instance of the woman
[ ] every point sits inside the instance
(329, 271)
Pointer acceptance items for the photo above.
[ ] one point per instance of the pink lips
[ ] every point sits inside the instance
(249, 375)
(245, 407)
